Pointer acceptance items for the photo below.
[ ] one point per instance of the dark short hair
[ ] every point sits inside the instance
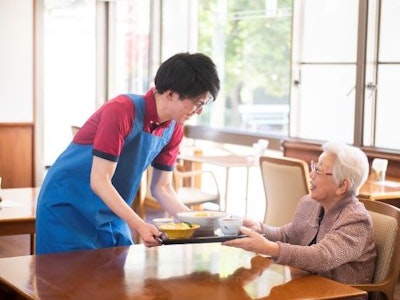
(189, 75)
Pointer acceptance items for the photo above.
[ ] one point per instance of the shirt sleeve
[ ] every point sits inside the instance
(107, 128)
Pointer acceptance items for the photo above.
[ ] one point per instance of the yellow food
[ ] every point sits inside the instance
(204, 214)
(175, 226)
(178, 230)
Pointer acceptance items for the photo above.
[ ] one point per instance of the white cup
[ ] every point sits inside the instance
(259, 149)
(230, 225)
(379, 166)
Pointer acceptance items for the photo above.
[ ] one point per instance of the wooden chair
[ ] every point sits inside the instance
(286, 181)
(191, 189)
(386, 223)
(74, 129)
(189, 193)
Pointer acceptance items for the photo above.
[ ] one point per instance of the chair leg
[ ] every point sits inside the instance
(32, 243)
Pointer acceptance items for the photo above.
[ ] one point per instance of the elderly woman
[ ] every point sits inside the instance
(331, 233)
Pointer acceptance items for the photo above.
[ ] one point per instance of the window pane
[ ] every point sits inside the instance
(389, 48)
(251, 43)
(324, 69)
(131, 56)
(329, 30)
(387, 116)
(69, 70)
(326, 103)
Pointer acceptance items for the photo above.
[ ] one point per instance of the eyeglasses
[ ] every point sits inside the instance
(201, 104)
(316, 169)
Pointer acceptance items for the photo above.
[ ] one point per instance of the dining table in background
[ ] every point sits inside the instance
(181, 271)
(18, 212)
(387, 190)
(225, 161)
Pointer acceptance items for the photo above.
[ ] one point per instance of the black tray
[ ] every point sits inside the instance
(201, 239)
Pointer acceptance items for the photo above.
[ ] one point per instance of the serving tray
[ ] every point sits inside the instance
(200, 239)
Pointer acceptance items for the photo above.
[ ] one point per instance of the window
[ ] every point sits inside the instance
(335, 94)
(250, 41)
(87, 63)
(129, 60)
(383, 73)
(288, 68)
(69, 70)
(324, 69)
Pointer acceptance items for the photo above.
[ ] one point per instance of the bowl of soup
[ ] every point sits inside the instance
(208, 220)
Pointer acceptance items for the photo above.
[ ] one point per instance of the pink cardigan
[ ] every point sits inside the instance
(345, 247)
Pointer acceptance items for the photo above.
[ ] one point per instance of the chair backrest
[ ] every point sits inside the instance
(192, 196)
(197, 189)
(386, 223)
(385, 228)
(286, 181)
(74, 129)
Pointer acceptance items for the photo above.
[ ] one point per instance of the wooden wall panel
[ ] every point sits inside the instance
(227, 136)
(16, 155)
(310, 150)
(307, 150)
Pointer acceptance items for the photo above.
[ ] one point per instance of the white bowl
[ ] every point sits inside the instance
(208, 220)
(160, 221)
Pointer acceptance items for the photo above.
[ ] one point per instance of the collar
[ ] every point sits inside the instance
(152, 120)
(333, 212)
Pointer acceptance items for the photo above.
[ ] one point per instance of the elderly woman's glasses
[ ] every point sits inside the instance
(317, 169)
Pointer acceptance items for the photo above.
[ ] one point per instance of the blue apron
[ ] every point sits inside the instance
(70, 216)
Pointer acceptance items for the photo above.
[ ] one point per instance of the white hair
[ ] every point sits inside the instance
(350, 163)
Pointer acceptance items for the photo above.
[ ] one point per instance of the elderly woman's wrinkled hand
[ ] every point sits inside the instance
(253, 225)
(254, 241)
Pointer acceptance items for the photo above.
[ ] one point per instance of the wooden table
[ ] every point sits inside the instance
(226, 161)
(387, 191)
(190, 271)
(18, 212)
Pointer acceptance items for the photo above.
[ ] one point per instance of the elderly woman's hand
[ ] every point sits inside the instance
(253, 225)
(254, 242)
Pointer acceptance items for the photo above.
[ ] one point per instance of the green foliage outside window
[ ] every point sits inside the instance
(252, 46)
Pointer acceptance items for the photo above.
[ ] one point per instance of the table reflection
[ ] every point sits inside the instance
(82, 276)
(191, 271)
(167, 272)
(206, 285)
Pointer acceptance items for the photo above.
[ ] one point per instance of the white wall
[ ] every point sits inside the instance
(16, 61)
